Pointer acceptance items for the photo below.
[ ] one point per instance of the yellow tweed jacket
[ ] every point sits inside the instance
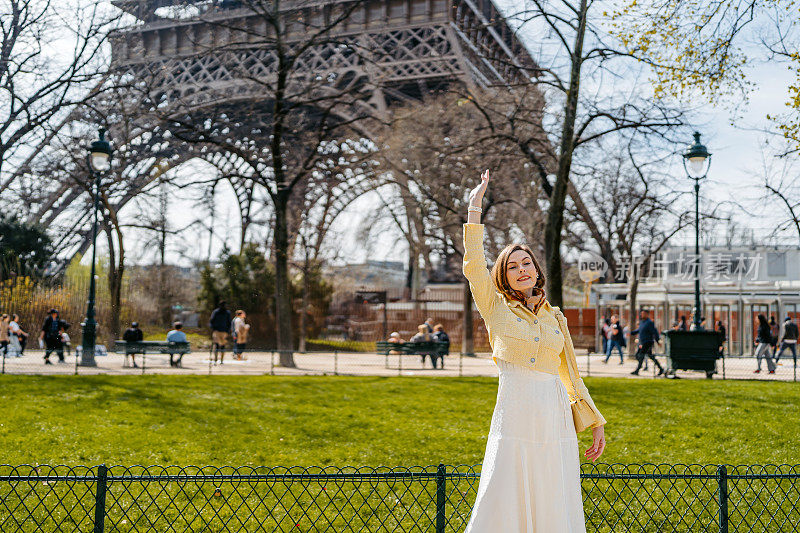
(539, 341)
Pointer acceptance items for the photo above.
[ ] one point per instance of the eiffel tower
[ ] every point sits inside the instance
(421, 46)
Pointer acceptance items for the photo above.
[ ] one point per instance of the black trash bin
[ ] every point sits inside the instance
(693, 350)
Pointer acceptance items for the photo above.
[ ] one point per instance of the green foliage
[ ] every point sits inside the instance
(702, 49)
(247, 281)
(25, 248)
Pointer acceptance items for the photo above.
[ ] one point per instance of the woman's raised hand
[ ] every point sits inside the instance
(476, 194)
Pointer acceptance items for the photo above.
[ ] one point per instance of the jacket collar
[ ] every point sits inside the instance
(516, 303)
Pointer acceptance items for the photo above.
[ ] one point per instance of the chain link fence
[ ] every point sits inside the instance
(616, 497)
(370, 363)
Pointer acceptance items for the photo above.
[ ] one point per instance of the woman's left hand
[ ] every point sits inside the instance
(599, 436)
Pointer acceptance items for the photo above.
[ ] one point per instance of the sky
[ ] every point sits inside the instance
(735, 138)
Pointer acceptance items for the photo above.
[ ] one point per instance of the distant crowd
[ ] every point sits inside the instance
(53, 337)
(770, 343)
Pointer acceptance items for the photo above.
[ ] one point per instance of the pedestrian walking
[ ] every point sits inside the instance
(763, 344)
(723, 336)
(16, 330)
(648, 335)
(605, 332)
(240, 330)
(615, 340)
(50, 336)
(220, 323)
(774, 333)
(4, 334)
(682, 324)
(66, 342)
(132, 335)
(789, 340)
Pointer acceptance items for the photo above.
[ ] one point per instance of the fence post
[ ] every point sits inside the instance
(588, 361)
(722, 478)
(400, 363)
(100, 499)
(144, 361)
(4, 363)
(461, 364)
(723, 365)
(440, 498)
(271, 363)
(336, 362)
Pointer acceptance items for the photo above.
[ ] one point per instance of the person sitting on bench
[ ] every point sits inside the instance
(132, 334)
(176, 335)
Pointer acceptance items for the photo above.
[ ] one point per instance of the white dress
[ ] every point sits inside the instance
(530, 479)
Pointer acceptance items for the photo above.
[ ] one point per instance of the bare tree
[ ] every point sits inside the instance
(430, 155)
(589, 83)
(303, 103)
(40, 83)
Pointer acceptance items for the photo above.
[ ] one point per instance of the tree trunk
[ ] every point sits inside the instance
(283, 296)
(163, 297)
(633, 289)
(116, 271)
(555, 216)
(468, 338)
(303, 309)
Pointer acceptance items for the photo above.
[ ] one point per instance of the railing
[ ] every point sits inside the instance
(637, 497)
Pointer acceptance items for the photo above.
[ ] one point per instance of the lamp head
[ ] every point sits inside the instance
(100, 153)
(697, 158)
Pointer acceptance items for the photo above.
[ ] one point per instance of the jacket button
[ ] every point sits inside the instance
(557, 332)
(536, 339)
(533, 359)
(519, 319)
(535, 321)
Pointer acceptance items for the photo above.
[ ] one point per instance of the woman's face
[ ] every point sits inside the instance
(520, 271)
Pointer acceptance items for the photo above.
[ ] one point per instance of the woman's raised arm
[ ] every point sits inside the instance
(474, 267)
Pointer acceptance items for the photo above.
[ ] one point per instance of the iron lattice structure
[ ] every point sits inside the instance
(186, 51)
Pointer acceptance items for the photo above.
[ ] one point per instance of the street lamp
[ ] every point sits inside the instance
(99, 161)
(696, 161)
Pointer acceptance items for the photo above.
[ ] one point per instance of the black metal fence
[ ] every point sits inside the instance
(637, 497)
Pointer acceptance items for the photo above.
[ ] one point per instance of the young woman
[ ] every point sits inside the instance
(763, 340)
(530, 479)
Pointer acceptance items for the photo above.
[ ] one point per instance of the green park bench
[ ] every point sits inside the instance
(434, 349)
(155, 347)
(692, 350)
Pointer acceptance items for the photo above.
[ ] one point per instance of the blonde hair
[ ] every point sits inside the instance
(500, 275)
(422, 328)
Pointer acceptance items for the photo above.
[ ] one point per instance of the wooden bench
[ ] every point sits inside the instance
(432, 348)
(157, 347)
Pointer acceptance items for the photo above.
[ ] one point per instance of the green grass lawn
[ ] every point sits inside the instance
(240, 420)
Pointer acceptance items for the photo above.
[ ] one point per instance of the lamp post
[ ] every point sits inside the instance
(99, 161)
(696, 161)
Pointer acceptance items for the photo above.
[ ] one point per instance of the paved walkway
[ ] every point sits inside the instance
(362, 364)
